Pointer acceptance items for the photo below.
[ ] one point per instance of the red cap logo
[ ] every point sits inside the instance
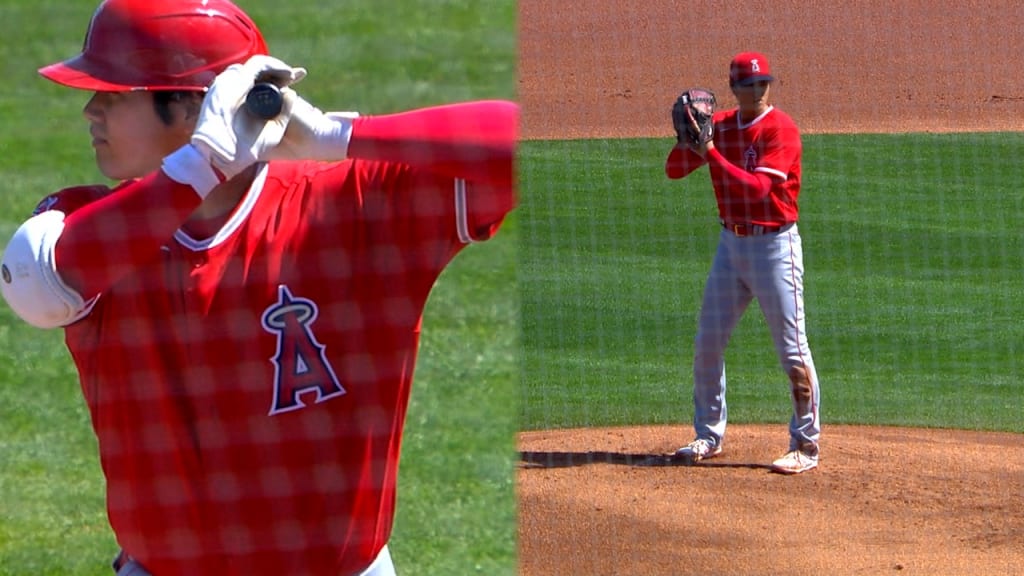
(749, 67)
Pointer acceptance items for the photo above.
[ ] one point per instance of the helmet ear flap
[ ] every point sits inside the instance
(159, 45)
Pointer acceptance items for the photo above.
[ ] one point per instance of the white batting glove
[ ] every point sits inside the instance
(310, 133)
(228, 136)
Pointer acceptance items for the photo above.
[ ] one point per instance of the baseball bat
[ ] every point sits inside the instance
(264, 101)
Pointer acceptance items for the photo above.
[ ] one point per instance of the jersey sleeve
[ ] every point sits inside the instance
(438, 178)
(458, 155)
(432, 208)
(473, 141)
(106, 239)
(401, 222)
(480, 209)
(782, 148)
(681, 162)
(70, 200)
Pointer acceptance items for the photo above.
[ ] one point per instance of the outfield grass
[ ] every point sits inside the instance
(913, 286)
(456, 504)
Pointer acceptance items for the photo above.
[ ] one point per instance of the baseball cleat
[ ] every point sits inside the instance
(699, 449)
(795, 462)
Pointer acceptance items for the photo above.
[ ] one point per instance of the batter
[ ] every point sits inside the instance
(244, 306)
(754, 160)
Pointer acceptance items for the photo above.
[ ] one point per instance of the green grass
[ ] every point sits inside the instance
(913, 284)
(456, 503)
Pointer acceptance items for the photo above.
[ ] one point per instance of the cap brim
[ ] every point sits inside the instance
(78, 73)
(755, 79)
(74, 73)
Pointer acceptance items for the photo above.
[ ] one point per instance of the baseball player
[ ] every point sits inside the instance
(754, 160)
(244, 308)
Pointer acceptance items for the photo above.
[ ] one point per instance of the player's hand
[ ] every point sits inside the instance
(693, 118)
(700, 147)
(311, 134)
(226, 135)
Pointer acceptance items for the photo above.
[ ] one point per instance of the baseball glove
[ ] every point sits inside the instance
(691, 116)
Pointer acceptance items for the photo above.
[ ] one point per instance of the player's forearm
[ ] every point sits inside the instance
(107, 239)
(681, 162)
(750, 186)
(473, 140)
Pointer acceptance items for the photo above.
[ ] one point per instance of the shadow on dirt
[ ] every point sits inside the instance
(570, 459)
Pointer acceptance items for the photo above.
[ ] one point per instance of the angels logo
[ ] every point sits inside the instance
(45, 205)
(750, 159)
(300, 366)
(755, 66)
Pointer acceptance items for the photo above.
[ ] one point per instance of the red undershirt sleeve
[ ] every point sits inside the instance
(473, 141)
(681, 162)
(751, 186)
(105, 240)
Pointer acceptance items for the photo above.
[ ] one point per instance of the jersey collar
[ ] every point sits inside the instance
(741, 125)
(239, 216)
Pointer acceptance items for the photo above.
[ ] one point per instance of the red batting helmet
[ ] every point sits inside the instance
(159, 45)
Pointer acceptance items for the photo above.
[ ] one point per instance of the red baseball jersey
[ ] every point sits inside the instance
(248, 390)
(770, 145)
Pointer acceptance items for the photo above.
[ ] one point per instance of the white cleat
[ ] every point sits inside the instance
(699, 449)
(795, 462)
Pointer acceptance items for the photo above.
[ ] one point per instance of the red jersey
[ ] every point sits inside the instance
(770, 145)
(248, 390)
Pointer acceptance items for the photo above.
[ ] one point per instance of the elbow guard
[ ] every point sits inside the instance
(30, 283)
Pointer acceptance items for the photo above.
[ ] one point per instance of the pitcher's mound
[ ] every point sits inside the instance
(883, 500)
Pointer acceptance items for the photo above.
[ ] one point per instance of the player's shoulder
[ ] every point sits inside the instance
(780, 118)
(70, 199)
(726, 116)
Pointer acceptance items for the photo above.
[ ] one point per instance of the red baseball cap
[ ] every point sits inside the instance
(747, 68)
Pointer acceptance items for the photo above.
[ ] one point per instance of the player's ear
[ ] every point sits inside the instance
(193, 105)
(178, 107)
(186, 113)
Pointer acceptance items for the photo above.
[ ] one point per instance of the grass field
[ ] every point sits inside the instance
(913, 284)
(456, 509)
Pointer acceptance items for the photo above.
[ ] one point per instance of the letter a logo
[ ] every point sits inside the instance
(300, 366)
(755, 66)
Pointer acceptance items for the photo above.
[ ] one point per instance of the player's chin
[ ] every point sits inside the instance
(114, 169)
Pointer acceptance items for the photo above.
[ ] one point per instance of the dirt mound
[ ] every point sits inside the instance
(603, 501)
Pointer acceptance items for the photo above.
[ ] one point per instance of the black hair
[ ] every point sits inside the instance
(162, 100)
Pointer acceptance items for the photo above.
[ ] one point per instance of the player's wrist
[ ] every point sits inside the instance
(332, 133)
(188, 165)
(312, 134)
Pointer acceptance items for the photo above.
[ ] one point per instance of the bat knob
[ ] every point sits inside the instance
(264, 101)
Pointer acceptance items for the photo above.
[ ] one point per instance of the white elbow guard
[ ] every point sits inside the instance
(30, 283)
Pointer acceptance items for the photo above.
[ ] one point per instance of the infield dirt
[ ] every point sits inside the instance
(884, 500)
